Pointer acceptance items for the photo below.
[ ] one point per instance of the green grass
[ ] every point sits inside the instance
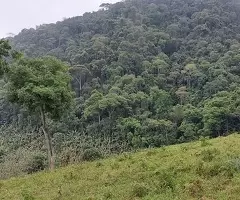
(204, 170)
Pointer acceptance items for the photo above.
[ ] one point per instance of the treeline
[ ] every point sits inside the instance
(146, 73)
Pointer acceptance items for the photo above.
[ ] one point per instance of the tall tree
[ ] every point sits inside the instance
(79, 74)
(43, 87)
(4, 52)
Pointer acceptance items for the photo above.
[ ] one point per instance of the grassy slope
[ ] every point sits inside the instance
(200, 170)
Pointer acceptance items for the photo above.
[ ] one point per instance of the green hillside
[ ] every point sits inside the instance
(207, 169)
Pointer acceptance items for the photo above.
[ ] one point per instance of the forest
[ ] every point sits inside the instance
(143, 74)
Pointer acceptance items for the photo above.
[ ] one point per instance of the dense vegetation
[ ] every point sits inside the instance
(207, 170)
(146, 73)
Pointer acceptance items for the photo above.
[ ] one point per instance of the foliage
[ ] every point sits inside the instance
(91, 154)
(42, 86)
(4, 53)
(139, 190)
(37, 83)
(37, 163)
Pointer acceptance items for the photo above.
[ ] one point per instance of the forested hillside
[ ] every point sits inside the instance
(146, 73)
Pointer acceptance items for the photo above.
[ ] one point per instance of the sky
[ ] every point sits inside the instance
(16, 15)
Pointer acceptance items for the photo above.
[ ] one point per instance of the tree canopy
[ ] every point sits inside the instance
(141, 59)
(43, 87)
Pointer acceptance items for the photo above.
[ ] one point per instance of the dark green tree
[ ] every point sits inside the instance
(4, 53)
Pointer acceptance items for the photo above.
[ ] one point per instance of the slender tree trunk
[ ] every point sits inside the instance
(59, 42)
(111, 125)
(48, 139)
(166, 134)
(99, 118)
(227, 127)
(181, 100)
(79, 86)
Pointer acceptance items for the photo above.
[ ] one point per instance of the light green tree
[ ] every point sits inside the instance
(43, 87)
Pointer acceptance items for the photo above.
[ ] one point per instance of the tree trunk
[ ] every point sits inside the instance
(48, 139)
(227, 127)
(79, 85)
(167, 138)
(99, 118)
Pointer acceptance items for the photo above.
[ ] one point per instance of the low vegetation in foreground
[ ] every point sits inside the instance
(207, 169)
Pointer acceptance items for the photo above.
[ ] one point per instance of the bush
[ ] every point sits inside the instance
(125, 156)
(37, 163)
(214, 169)
(20, 162)
(27, 196)
(67, 156)
(2, 154)
(107, 195)
(204, 141)
(209, 154)
(139, 190)
(151, 152)
(91, 154)
(235, 163)
(166, 180)
(195, 188)
(115, 165)
(99, 164)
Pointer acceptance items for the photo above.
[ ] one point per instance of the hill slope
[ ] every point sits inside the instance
(208, 169)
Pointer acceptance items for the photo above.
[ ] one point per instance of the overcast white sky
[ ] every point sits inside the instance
(16, 15)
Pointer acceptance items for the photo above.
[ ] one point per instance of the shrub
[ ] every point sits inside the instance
(99, 164)
(139, 190)
(107, 195)
(195, 188)
(227, 170)
(125, 156)
(115, 165)
(91, 154)
(143, 164)
(209, 154)
(165, 180)
(20, 162)
(184, 148)
(70, 176)
(2, 154)
(213, 169)
(67, 156)
(235, 163)
(37, 163)
(204, 141)
(27, 196)
(151, 152)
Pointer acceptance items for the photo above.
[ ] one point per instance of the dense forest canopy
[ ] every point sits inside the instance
(146, 73)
